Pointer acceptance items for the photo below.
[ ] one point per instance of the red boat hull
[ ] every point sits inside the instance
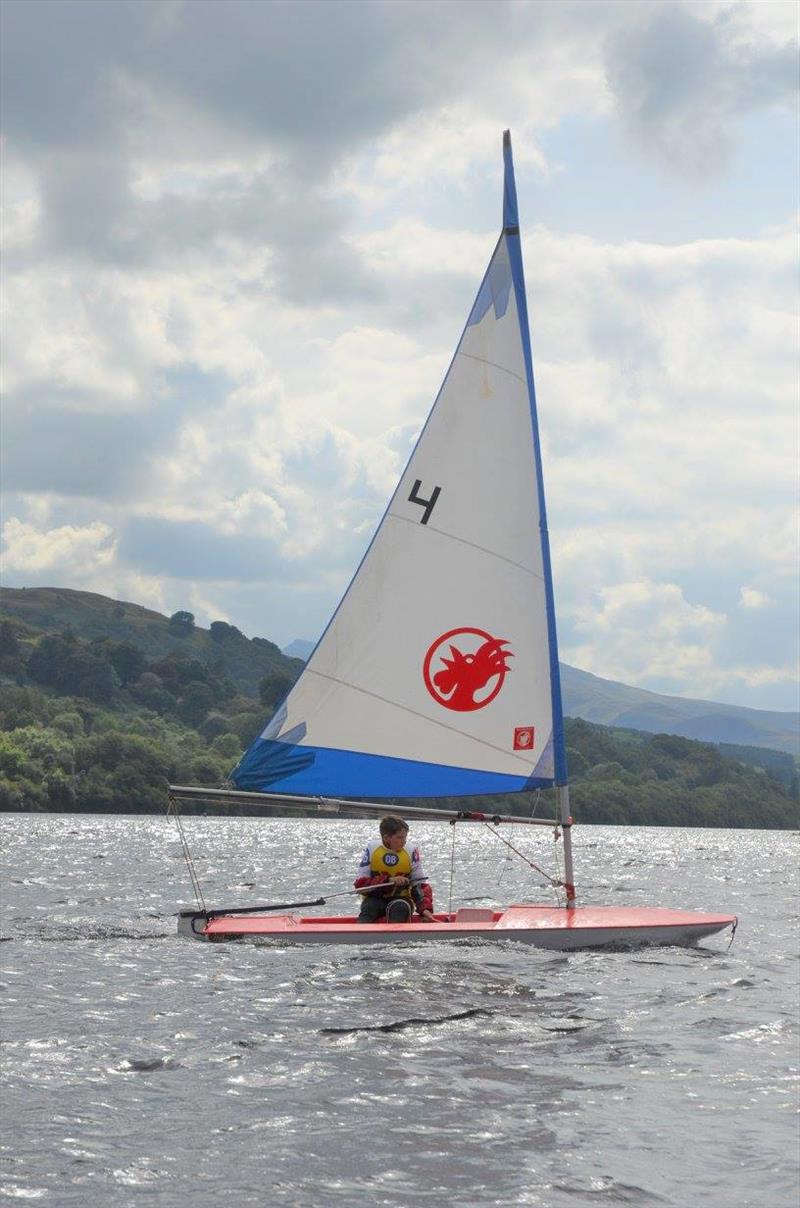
(542, 926)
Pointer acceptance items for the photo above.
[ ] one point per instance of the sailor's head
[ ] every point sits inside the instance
(393, 832)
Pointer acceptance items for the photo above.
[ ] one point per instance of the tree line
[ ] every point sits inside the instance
(97, 725)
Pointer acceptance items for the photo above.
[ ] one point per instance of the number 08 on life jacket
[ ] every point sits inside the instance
(380, 861)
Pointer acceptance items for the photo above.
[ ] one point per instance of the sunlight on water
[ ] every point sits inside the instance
(140, 1065)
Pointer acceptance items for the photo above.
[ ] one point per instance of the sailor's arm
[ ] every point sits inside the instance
(420, 887)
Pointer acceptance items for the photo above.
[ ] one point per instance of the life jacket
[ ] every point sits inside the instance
(393, 864)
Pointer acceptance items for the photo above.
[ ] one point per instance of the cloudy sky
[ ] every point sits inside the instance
(241, 241)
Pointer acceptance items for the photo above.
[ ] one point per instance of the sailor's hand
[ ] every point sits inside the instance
(426, 916)
(400, 880)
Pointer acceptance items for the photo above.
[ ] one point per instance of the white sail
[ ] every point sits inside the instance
(434, 674)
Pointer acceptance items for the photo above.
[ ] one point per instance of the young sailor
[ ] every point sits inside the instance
(387, 862)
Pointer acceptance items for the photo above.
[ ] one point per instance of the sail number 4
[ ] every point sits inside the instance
(427, 504)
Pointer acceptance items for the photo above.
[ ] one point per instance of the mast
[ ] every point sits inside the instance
(514, 245)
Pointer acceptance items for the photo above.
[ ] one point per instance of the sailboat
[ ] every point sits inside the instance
(438, 674)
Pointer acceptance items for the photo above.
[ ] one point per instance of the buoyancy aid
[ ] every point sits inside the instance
(381, 861)
(393, 863)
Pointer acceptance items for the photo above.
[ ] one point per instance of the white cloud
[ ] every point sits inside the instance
(61, 551)
(751, 597)
(228, 314)
(647, 631)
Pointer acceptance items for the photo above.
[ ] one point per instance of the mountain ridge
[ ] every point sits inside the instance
(611, 703)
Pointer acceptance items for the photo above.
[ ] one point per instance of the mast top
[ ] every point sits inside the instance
(510, 214)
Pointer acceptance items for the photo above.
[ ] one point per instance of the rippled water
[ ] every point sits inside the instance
(142, 1068)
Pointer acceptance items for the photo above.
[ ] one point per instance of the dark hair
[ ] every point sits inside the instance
(392, 825)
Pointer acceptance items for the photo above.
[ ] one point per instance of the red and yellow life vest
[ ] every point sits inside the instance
(393, 864)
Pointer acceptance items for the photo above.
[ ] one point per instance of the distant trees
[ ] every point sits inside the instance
(150, 692)
(266, 645)
(60, 661)
(273, 688)
(219, 631)
(194, 702)
(214, 725)
(181, 624)
(247, 725)
(128, 660)
(10, 651)
(9, 646)
(50, 661)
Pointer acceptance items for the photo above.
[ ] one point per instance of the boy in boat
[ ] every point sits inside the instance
(387, 862)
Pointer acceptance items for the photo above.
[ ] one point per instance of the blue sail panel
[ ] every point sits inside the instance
(275, 767)
(495, 289)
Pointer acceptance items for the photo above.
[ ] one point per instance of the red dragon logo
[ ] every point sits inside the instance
(457, 678)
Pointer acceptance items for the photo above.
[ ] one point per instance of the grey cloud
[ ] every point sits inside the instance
(309, 78)
(679, 81)
(88, 87)
(304, 229)
(70, 442)
(87, 206)
(46, 448)
(90, 212)
(57, 72)
(192, 550)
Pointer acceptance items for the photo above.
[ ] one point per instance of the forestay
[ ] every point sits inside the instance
(438, 673)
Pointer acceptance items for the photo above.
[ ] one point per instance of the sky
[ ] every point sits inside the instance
(241, 239)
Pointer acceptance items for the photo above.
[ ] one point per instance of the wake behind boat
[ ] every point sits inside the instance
(438, 674)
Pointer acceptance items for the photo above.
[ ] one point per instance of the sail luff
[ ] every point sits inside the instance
(514, 245)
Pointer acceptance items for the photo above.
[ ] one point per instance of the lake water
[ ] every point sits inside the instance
(144, 1069)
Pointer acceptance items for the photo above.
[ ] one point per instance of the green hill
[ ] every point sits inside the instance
(223, 647)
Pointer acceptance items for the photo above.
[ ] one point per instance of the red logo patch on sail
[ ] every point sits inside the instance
(523, 738)
(465, 669)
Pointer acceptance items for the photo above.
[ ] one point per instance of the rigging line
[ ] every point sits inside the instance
(452, 867)
(172, 808)
(198, 892)
(430, 721)
(482, 361)
(559, 869)
(530, 863)
(431, 528)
